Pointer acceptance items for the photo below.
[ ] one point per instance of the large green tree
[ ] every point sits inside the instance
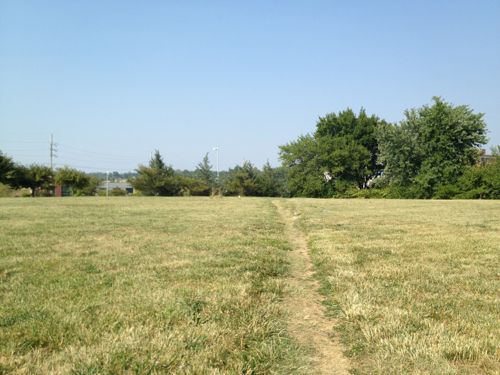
(7, 170)
(79, 182)
(242, 180)
(39, 178)
(480, 180)
(157, 178)
(431, 147)
(341, 153)
(205, 175)
(271, 181)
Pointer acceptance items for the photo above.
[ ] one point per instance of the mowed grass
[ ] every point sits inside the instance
(414, 284)
(196, 285)
(143, 285)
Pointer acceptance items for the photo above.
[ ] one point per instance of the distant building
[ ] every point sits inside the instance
(485, 159)
(62, 191)
(125, 186)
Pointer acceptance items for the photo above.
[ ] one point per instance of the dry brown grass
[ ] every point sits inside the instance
(197, 285)
(414, 284)
(308, 322)
(143, 285)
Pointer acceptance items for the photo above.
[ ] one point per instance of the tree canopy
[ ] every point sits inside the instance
(7, 170)
(272, 181)
(431, 147)
(156, 179)
(341, 153)
(79, 182)
(204, 173)
(242, 180)
(434, 152)
(38, 178)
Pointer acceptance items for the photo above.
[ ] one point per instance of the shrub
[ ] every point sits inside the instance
(5, 190)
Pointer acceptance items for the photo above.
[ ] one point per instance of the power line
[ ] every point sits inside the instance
(79, 166)
(22, 149)
(82, 158)
(56, 147)
(102, 154)
(103, 170)
(106, 166)
(23, 141)
(63, 152)
(66, 154)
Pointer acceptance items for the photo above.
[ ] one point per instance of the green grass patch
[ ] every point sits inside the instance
(414, 284)
(143, 286)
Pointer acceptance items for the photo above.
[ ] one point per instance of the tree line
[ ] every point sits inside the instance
(41, 180)
(434, 152)
(158, 178)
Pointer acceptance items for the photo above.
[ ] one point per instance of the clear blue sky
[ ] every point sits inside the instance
(114, 80)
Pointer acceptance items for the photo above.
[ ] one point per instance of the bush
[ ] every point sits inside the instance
(117, 192)
(446, 192)
(5, 190)
(369, 193)
(480, 182)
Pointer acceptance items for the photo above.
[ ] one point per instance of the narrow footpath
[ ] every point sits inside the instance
(307, 321)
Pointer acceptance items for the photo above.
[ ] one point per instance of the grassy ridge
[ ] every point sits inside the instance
(144, 285)
(414, 283)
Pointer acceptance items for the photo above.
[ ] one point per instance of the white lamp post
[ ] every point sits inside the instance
(216, 148)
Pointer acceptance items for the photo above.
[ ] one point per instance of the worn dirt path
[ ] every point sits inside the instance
(307, 322)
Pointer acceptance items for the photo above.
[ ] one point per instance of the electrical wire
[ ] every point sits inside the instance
(68, 152)
(102, 154)
(99, 169)
(23, 141)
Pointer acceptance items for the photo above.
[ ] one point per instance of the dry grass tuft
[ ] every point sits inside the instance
(144, 286)
(196, 285)
(414, 284)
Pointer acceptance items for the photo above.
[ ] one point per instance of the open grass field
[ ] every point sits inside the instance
(143, 285)
(200, 286)
(415, 284)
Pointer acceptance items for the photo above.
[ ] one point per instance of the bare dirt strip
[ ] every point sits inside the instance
(307, 321)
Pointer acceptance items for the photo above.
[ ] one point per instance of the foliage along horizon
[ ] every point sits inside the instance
(435, 152)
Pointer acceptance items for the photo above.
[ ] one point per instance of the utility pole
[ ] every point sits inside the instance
(53, 151)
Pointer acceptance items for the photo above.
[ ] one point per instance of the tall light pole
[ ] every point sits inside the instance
(107, 183)
(216, 148)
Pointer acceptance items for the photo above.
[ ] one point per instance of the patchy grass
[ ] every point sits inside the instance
(414, 284)
(196, 285)
(144, 286)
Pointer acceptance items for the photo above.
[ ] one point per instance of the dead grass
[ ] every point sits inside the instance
(144, 286)
(308, 322)
(414, 284)
(199, 285)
